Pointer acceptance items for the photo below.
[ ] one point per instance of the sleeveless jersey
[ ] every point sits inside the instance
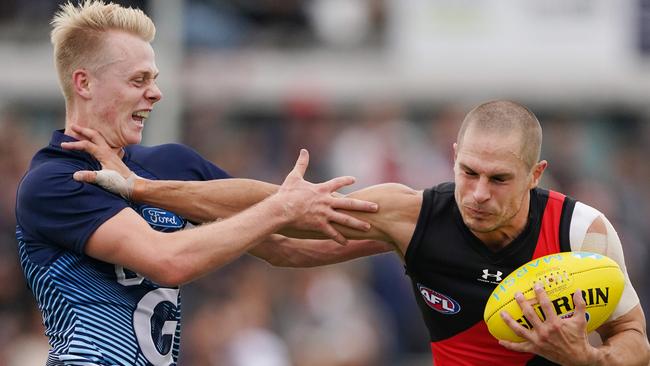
(453, 273)
(97, 313)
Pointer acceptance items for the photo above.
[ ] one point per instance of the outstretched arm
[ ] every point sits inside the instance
(393, 222)
(207, 201)
(175, 258)
(199, 201)
(282, 251)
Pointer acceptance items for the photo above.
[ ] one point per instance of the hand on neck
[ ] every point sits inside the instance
(69, 131)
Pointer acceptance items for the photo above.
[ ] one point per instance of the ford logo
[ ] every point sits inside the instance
(162, 218)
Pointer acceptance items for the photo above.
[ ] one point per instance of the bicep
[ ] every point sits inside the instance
(394, 221)
(125, 240)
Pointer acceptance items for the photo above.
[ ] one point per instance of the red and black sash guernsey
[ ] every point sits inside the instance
(453, 273)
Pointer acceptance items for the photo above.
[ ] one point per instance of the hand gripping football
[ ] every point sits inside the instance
(598, 277)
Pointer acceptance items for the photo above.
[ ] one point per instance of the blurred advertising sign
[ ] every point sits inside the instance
(513, 40)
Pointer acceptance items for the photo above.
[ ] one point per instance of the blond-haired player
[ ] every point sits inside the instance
(106, 272)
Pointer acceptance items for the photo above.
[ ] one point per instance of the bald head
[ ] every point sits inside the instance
(504, 118)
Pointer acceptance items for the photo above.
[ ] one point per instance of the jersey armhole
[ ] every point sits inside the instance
(565, 224)
(418, 234)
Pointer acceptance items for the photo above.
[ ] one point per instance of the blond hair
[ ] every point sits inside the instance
(77, 35)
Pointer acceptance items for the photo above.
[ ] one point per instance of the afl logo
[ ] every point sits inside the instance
(162, 218)
(439, 302)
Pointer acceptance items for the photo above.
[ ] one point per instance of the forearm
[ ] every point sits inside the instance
(195, 252)
(202, 201)
(628, 348)
(281, 251)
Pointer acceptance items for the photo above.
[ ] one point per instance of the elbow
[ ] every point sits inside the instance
(166, 280)
(168, 272)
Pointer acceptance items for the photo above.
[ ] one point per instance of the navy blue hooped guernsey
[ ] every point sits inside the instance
(97, 313)
(453, 273)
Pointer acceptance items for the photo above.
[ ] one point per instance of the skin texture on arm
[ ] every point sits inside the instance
(395, 220)
(625, 341)
(202, 201)
(393, 223)
(564, 341)
(175, 258)
(211, 200)
(391, 229)
(198, 201)
(281, 251)
(172, 259)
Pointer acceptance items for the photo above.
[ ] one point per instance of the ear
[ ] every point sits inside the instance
(537, 172)
(81, 83)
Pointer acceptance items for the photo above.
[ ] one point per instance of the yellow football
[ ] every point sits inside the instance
(598, 277)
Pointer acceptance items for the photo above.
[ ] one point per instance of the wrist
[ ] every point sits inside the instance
(137, 187)
(279, 210)
(594, 357)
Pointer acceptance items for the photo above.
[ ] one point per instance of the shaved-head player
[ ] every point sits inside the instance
(458, 239)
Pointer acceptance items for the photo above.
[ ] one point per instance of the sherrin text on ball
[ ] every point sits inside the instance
(598, 277)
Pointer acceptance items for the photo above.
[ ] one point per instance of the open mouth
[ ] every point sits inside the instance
(140, 116)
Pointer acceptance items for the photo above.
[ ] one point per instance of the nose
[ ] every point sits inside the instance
(153, 93)
(482, 190)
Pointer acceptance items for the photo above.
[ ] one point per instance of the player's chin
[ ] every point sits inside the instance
(480, 225)
(133, 137)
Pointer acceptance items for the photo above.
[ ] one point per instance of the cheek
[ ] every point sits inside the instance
(108, 116)
(462, 184)
(514, 201)
(460, 191)
(504, 200)
(108, 105)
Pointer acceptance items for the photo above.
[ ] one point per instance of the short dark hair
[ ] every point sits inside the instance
(506, 117)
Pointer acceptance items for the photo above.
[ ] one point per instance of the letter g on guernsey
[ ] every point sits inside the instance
(439, 302)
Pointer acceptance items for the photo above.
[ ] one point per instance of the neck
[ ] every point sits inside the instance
(72, 118)
(75, 117)
(504, 235)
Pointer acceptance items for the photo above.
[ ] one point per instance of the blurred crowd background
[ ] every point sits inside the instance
(374, 89)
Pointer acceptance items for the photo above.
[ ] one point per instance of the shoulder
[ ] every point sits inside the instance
(167, 151)
(586, 219)
(439, 198)
(175, 161)
(53, 174)
(443, 188)
(51, 207)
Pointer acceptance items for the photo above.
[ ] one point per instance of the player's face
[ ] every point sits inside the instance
(123, 89)
(492, 182)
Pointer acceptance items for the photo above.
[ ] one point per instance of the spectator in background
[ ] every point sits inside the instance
(21, 328)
